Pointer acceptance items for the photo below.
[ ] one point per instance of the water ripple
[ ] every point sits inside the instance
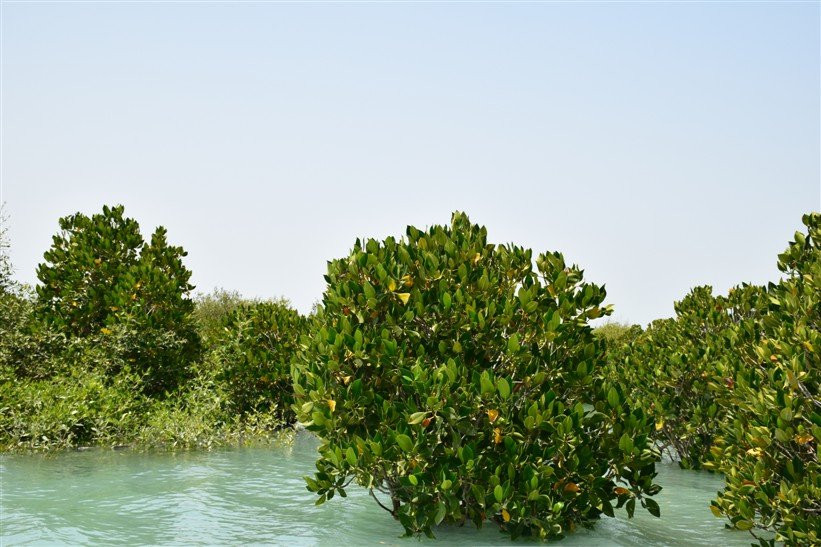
(257, 496)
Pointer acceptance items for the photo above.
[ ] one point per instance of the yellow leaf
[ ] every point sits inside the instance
(659, 424)
(476, 258)
(346, 379)
(505, 515)
(403, 296)
(391, 285)
(105, 330)
(332, 404)
(98, 261)
(571, 487)
(407, 281)
(492, 415)
(114, 308)
(716, 511)
(497, 435)
(803, 439)
(754, 452)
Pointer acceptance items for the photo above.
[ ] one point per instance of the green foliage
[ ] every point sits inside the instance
(445, 374)
(769, 449)
(212, 310)
(6, 282)
(679, 370)
(112, 325)
(449, 375)
(101, 279)
(196, 418)
(617, 335)
(258, 343)
(87, 405)
(27, 345)
(81, 408)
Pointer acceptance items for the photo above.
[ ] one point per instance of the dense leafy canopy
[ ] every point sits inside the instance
(258, 344)
(732, 383)
(449, 375)
(679, 369)
(456, 379)
(101, 278)
(769, 449)
(111, 327)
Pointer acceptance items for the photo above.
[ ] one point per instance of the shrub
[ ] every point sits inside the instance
(27, 344)
(111, 325)
(80, 408)
(769, 449)
(679, 369)
(616, 335)
(88, 407)
(101, 278)
(446, 373)
(195, 418)
(212, 310)
(255, 353)
(6, 281)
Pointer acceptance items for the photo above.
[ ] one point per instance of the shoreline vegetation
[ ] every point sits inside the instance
(111, 349)
(459, 379)
(81, 406)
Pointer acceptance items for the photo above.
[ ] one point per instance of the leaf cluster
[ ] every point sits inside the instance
(769, 449)
(459, 383)
(254, 354)
(680, 370)
(101, 278)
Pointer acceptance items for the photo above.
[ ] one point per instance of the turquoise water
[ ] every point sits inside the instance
(257, 496)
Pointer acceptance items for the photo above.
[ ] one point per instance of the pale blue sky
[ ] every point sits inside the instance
(659, 146)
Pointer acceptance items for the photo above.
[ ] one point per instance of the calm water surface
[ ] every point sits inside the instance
(257, 496)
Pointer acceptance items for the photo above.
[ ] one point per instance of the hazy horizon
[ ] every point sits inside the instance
(658, 146)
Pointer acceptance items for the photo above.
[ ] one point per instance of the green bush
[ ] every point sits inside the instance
(617, 335)
(446, 373)
(111, 326)
(212, 310)
(679, 370)
(196, 418)
(258, 344)
(100, 279)
(86, 404)
(81, 408)
(769, 449)
(27, 344)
